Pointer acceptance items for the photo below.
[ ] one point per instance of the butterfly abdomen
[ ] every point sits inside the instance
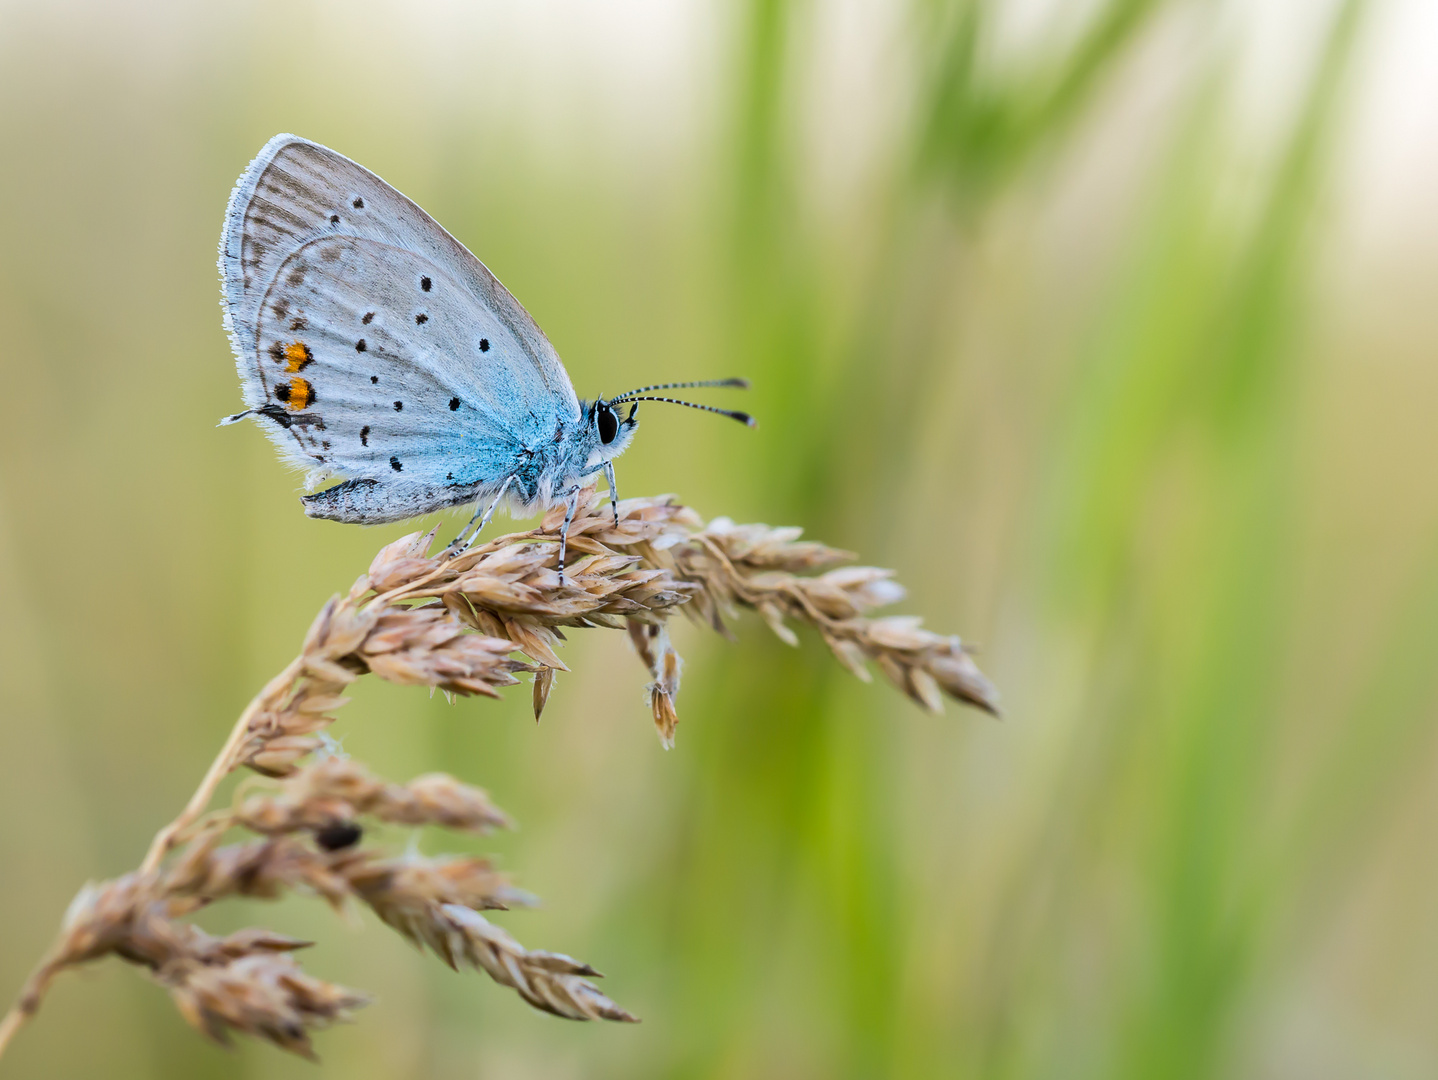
(363, 501)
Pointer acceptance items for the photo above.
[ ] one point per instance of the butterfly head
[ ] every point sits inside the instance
(606, 428)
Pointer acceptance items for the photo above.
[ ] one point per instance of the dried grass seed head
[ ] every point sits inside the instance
(435, 903)
(337, 789)
(264, 994)
(261, 869)
(549, 981)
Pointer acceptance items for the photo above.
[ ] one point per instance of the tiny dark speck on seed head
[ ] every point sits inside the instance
(368, 318)
(484, 344)
(358, 204)
(338, 835)
(399, 406)
(395, 465)
(425, 284)
(453, 404)
(360, 346)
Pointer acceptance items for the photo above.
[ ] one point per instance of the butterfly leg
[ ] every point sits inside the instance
(613, 495)
(572, 495)
(460, 544)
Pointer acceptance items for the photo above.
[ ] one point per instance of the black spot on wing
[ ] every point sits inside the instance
(368, 318)
(421, 319)
(358, 203)
(425, 284)
(453, 404)
(360, 346)
(364, 435)
(399, 406)
(275, 413)
(484, 344)
(334, 219)
(299, 323)
(282, 391)
(374, 379)
(395, 464)
(277, 352)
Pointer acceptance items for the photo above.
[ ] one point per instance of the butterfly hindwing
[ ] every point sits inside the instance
(370, 342)
(367, 376)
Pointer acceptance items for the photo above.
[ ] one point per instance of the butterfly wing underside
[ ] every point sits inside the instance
(370, 343)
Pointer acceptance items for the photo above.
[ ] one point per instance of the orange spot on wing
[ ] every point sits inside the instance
(297, 355)
(301, 393)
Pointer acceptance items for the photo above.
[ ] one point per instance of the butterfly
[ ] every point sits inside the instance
(372, 347)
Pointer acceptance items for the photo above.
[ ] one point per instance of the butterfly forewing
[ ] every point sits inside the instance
(372, 343)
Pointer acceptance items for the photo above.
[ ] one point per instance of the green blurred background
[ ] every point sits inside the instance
(1109, 324)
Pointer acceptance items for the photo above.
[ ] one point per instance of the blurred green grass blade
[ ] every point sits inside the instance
(1261, 312)
(1190, 736)
(1379, 749)
(982, 126)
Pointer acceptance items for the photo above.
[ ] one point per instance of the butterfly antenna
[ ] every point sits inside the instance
(741, 384)
(733, 414)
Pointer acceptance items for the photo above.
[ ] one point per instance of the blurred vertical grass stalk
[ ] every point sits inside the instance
(810, 861)
(1193, 371)
(1189, 380)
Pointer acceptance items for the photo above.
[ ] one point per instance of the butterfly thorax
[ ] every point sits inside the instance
(577, 451)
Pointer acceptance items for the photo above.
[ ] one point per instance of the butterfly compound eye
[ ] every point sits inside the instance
(608, 425)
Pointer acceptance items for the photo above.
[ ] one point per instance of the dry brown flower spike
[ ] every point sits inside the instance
(455, 624)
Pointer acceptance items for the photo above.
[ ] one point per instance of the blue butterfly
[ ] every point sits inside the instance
(373, 347)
